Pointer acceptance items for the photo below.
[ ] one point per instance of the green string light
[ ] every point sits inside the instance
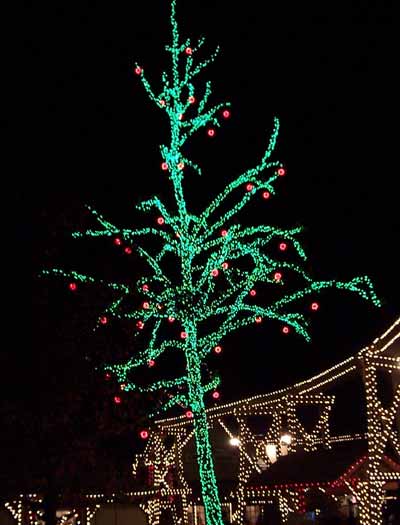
(239, 258)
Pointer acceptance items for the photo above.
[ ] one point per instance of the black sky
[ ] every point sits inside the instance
(326, 69)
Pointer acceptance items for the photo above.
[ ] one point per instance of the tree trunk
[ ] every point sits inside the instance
(209, 490)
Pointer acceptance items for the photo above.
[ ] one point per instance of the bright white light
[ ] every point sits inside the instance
(286, 439)
(235, 442)
(271, 452)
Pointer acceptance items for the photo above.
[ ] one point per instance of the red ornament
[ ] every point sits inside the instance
(144, 434)
(249, 187)
(253, 293)
(282, 246)
(183, 335)
(281, 172)
(214, 272)
(151, 363)
(224, 233)
(171, 319)
(107, 376)
(128, 250)
(164, 166)
(285, 329)
(225, 265)
(191, 100)
(103, 319)
(258, 319)
(226, 113)
(140, 325)
(314, 306)
(117, 241)
(277, 276)
(162, 103)
(145, 287)
(218, 349)
(266, 195)
(122, 386)
(117, 400)
(215, 395)
(181, 166)
(146, 305)
(160, 221)
(138, 70)
(188, 51)
(189, 414)
(211, 132)
(72, 287)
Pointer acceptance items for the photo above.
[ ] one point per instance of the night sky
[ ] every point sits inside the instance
(90, 135)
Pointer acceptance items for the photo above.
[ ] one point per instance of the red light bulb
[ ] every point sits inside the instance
(188, 51)
(314, 306)
(218, 349)
(189, 414)
(224, 265)
(146, 305)
(253, 293)
(282, 246)
(128, 250)
(107, 376)
(144, 434)
(214, 272)
(103, 319)
(117, 241)
(266, 195)
(171, 319)
(285, 329)
(162, 103)
(215, 395)
(140, 325)
(191, 100)
(138, 70)
(277, 276)
(249, 187)
(145, 287)
(151, 363)
(211, 132)
(183, 335)
(164, 166)
(72, 287)
(226, 113)
(258, 319)
(117, 400)
(281, 172)
(160, 221)
(224, 233)
(181, 166)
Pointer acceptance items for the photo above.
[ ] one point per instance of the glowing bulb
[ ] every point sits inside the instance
(145, 287)
(282, 246)
(151, 363)
(103, 319)
(286, 439)
(214, 272)
(281, 172)
(285, 329)
(117, 241)
(258, 319)
(138, 70)
(253, 293)
(144, 434)
(181, 166)
(249, 187)
(183, 335)
(146, 305)
(218, 349)
(277, 276)
(224, 233)
(160, 221)
(117, 400)
(235, 442)
(164, 166)
(216, 395)
(191, 100)
(226, 113)
(140, 325)
(211, 132)
(266, 195)
(188, 51)
(189, 414)
(224, 265)
(314, 306)
(128, 250)
(171, 319)
(72, 287)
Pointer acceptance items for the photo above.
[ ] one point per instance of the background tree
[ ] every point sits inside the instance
(209, 275)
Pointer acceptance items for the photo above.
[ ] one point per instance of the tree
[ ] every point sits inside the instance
(203, 268)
